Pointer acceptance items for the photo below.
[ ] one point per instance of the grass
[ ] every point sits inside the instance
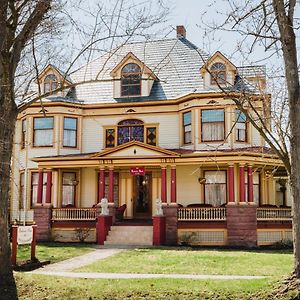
(53, 251)
(189, 261)
(45, 287)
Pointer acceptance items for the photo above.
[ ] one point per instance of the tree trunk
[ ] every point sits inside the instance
(288, 41)
(8, 115)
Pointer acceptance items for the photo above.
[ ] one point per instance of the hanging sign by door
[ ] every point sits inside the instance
(137, 171)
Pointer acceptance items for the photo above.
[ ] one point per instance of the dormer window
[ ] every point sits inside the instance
(131, 80)
(218, 73)
(50, 83)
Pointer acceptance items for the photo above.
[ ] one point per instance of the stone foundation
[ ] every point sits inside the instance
(42, 218)
(241, 225)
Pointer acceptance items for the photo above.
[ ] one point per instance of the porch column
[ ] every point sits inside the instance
(49, 187)
(230, 172)
(111, 185)
(250, 185)
(164, 184)
(242, 184)
(173, 184)
(101, 183)
(39, 199)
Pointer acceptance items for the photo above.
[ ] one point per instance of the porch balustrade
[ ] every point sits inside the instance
(201, 214)
(275, 214)
(73, 214)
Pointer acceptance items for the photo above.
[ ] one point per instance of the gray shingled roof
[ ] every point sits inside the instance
(175, 62)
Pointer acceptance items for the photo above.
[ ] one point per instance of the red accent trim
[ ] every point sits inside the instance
(103, 226)
(250, 184)
(111, 186)
(231, 183)
(73, 224)
(164, 185)
(173, 185)
(33, 243)
(14, 234)
(204, 225)
(242, 184)
(159, 230)
(40, 187)
(274, 225)
(101, 184)
(48, 187)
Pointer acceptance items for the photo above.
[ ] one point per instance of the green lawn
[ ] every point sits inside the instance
(190, 261)
(53, 251)
(46, 287)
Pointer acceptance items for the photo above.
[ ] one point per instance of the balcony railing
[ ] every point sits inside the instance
(202, 214)
(73, 214)
(274, 214)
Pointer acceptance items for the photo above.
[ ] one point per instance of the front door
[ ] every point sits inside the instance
(142, 196)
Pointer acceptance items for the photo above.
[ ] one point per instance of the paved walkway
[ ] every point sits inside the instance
(65, 268)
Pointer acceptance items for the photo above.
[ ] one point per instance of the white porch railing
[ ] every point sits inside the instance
(202, 214)
(73, 214)
(275, 214)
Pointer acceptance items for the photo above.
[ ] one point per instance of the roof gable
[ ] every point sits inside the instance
(135, 149)
(60, 74)
(130, 57)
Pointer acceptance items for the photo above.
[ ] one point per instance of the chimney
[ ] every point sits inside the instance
(181, 32)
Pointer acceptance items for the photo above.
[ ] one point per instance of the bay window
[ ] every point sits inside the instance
(241, 127)
(70, 132)
(212, 125)
(187, 127)
(43, 131)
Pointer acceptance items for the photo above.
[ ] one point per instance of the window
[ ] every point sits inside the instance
(43, 131)
(110, 138)
(151, 136)
(241, 126)
(69, 189)
(215, 187)
(116, 187)
(23, 134)
(212, 125)
(218, 73)
(131, 80)
(22, 197)
(187, 128)
(130, 130)
(70, 132)
(50, 83)
(256, 187)
(34, 187)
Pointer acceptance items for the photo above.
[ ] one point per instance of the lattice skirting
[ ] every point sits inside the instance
(202, 237)
(272, 236)
(72, 235)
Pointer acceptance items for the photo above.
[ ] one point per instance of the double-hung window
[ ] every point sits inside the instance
(69, 183)
(241, 126)
(187, 127)
(43, 131)
(215, 187)
(212, 125)
(34, 187)
(23, 134)
(70, 132)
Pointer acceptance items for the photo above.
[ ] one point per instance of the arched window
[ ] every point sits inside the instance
(131, 80)
(130, 130)
(218, 73)
(50, 83)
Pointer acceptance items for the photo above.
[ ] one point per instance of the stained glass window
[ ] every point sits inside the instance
(110, 138)
(151, 136)
(131, 80)
(130, 130)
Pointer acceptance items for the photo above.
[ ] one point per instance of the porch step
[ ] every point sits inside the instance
(130, 235)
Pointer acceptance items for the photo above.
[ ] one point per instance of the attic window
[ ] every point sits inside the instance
(131, 80)
(218, 73)
(50, 83)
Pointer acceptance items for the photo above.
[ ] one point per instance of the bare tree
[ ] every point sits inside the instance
(28, 29)
(272, 24)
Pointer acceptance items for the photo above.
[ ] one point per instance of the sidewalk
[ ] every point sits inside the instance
(65, 268)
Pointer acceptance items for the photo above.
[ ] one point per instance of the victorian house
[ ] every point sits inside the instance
(152, 123)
